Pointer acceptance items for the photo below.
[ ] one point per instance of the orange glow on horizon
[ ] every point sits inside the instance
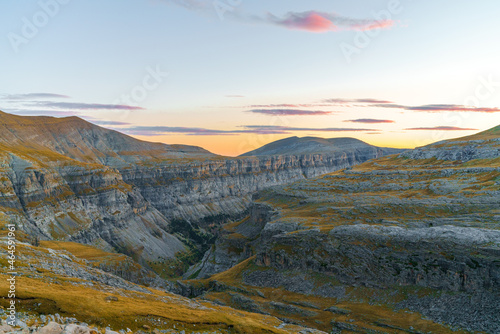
(235, 145)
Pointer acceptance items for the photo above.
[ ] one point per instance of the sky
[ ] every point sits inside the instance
(233, 75)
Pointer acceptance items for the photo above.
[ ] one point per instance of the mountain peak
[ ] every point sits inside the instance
(311, 145)
(78, 139)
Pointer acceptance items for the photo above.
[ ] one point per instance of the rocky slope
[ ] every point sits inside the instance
(90, 204)
(484, 145)
(64, 283)
(418, 232)
(67, 179)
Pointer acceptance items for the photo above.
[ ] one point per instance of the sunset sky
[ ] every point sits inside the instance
(233, 75)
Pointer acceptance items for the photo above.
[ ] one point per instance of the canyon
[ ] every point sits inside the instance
(303, 235)
(67, 179)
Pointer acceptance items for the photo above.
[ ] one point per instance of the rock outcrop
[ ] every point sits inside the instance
(484, 145)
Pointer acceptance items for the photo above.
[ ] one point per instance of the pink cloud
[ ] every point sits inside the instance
(452, 107)
(313, 22)
(370, 120)
(320, 22)
(434, 108)
(442, 128)
(383, 24)
(282, 105)
(290, 112)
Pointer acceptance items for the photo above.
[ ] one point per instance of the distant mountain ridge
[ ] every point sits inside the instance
(83, 141)
(311, 145)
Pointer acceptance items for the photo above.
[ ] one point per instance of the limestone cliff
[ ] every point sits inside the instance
(67, 179)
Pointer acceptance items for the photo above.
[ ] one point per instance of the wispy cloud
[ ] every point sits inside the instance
(320, 22)
(433, 108)
(84, 106)
(34, 96)
(311, 21)
(301, 109)
(194, 5)
(247, 129)
(436, 108)
(42, 103)
(338, 102)
(451, 107)
(290, 112)
(161, 130)
(108, 123)
(369, 120)
(351, 101)
(387, 105)
(287, 128)
(39, 112)
(289, 105)
(442, 128)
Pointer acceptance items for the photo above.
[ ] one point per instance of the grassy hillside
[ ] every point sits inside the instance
(74, 138)
(61, 278)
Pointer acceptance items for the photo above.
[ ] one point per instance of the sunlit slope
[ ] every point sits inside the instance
(490, 134)
(65, 280)
(77, 139)
(484, 145)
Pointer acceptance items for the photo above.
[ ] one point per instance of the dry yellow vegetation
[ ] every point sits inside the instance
(42, 291)
(133, 309)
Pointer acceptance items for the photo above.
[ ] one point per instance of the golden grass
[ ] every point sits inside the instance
(233, 225)
(79, 250)
(234, 274)
(493, 133)
(90, 305)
